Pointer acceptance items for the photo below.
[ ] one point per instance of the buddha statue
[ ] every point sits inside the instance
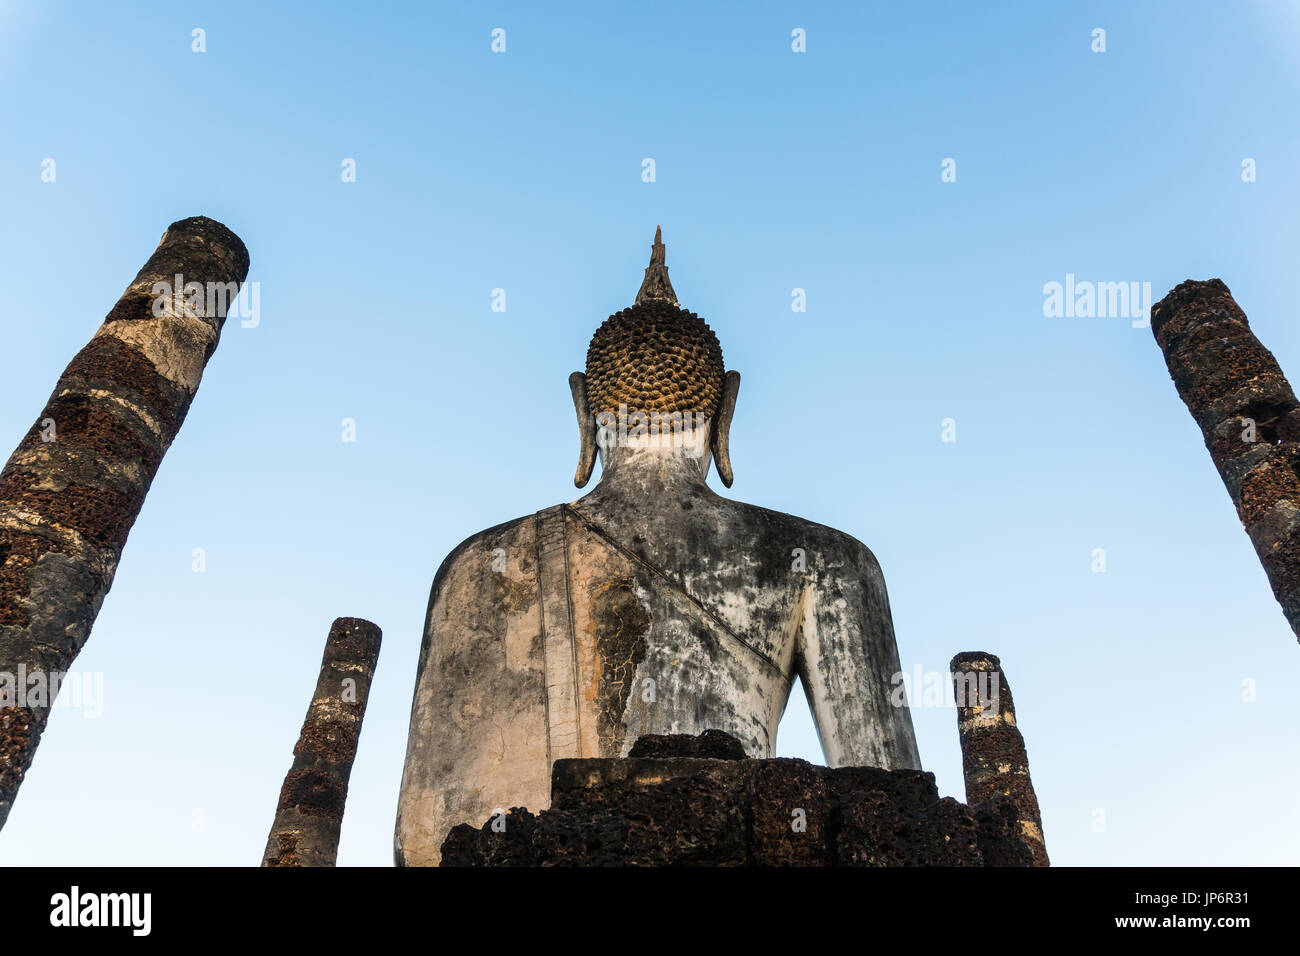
(651, 605)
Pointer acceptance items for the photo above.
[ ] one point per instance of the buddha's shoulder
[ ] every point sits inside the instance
(506, 550)
(749, 525)
(490, 550)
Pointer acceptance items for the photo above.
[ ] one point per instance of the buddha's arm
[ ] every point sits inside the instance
(477, 738)
(848, 661)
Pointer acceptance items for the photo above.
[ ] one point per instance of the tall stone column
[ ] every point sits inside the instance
(1248, 416)
(73, 488)
(993, 757)
(309, 816)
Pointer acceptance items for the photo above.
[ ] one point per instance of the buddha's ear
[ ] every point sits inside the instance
(722, 427)
(586, 429)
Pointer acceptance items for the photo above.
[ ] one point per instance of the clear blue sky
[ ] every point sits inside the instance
(775, 171)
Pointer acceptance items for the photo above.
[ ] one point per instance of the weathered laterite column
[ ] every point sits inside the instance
(993, 757)
(309, 816)
(76, 482)
(1248, 415)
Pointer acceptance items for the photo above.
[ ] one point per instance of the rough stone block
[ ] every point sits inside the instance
(693, 811)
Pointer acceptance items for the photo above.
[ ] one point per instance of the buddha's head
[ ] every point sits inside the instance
(655, 382)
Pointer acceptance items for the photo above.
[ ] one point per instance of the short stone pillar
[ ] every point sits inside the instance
(994, 762)
(309, 816)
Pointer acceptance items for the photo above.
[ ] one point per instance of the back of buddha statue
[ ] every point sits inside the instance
(650, 606)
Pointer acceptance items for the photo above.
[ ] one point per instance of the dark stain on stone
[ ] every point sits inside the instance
(18, 555)
(1262, 488)
(621, 628)
(93, 425)
(107, 363)
(328, 740)
(103, 517)
(16, 730)
(286, 851)
(518, 595)
(313, 793)
(1000, 834)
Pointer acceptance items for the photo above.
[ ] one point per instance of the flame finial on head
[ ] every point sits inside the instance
(655, 285)
(655, 356)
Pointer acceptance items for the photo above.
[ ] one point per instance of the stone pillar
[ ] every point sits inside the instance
(1248, 416)
(73, 488)
(309, 816)
(993, 757)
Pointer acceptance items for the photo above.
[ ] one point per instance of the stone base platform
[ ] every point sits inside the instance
(697, 801)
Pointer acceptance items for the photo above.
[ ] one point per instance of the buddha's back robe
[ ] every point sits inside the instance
(574, 631)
